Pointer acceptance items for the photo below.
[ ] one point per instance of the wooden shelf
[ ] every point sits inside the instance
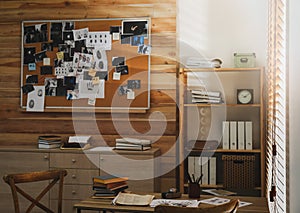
(221, 69)
(231, 80)
(227, 151)
(222, 105)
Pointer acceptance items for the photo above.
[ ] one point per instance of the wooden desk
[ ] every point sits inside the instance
(259, 204)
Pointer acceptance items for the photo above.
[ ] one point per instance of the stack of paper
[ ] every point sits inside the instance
(199, 62)
(211, 97)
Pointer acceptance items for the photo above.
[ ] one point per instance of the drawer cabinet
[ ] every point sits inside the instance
(81, 168)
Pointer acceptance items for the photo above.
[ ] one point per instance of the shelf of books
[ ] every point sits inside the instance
(221, 136)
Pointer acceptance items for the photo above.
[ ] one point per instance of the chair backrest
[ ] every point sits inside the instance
(52, 176)
(229, 207)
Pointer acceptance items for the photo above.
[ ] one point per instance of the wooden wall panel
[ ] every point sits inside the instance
(22, 128)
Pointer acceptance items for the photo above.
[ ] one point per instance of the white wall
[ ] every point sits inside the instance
(294, 79)
(218, 28)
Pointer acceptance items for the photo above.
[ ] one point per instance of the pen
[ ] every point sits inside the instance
(189, 178)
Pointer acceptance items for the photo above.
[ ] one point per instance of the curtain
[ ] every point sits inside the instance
(276, 115)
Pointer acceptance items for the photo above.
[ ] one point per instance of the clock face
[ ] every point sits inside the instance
(245, 96)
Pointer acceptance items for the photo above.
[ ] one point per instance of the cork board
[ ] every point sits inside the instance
(90, 63)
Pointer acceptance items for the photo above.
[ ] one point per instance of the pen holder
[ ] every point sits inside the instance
(194, 190)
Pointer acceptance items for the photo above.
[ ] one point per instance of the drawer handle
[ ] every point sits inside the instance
(73, 160)
(73, 192)
(46, 157)
(74, 176)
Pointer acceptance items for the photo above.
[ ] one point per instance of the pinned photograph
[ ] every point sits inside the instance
(36, 33)
(46, 70)
(27, 88)
(61, 71)
(31, 66)
(47, 47)
(123, 90)
(122, 69)
(144, 49)
(50, 86)
(135, 27)
(99, 39)
(82, 60)
(125, 39)
(80, 34)
(100, 59)
(72, 94)
(68, 25)
(116, 76)
(31, 79)
(46, 61)
(63, 48)
(115, 31)
(130, 94)
(118, 61)
(56, 33)
(40, 56)
(137, 40)
(89, 90)
(36, 99)
(134, 84)
(29, 53)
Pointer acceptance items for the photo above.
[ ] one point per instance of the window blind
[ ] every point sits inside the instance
(276, 115)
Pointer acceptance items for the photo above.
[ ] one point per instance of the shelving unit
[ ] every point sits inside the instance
(204, 121)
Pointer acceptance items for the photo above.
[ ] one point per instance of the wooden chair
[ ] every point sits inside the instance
(52, 176)
(229, 207)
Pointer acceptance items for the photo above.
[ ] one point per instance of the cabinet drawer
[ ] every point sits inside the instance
(73, 192)
(80, 176)
(73, 160)
(141, 167)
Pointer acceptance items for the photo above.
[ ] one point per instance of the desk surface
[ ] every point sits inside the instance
(259, 204)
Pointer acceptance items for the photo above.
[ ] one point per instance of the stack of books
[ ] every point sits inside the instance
(108, 185)
(49, 141)
(208, 97)
(133, 144)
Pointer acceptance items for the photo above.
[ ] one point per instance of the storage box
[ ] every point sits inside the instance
(239, 171)
(244, 60)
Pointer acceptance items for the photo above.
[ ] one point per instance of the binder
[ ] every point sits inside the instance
(225, 140)
(241, 134)
(213, 171)
(197, 166)
(204, 170)
(248, 135)
(233, 134)
(191, 165)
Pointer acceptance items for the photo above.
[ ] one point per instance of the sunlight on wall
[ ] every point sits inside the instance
(217, 29)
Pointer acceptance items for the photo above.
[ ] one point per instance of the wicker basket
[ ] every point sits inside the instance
(239, 171)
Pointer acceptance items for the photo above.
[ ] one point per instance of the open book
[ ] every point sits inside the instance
(132, 199)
